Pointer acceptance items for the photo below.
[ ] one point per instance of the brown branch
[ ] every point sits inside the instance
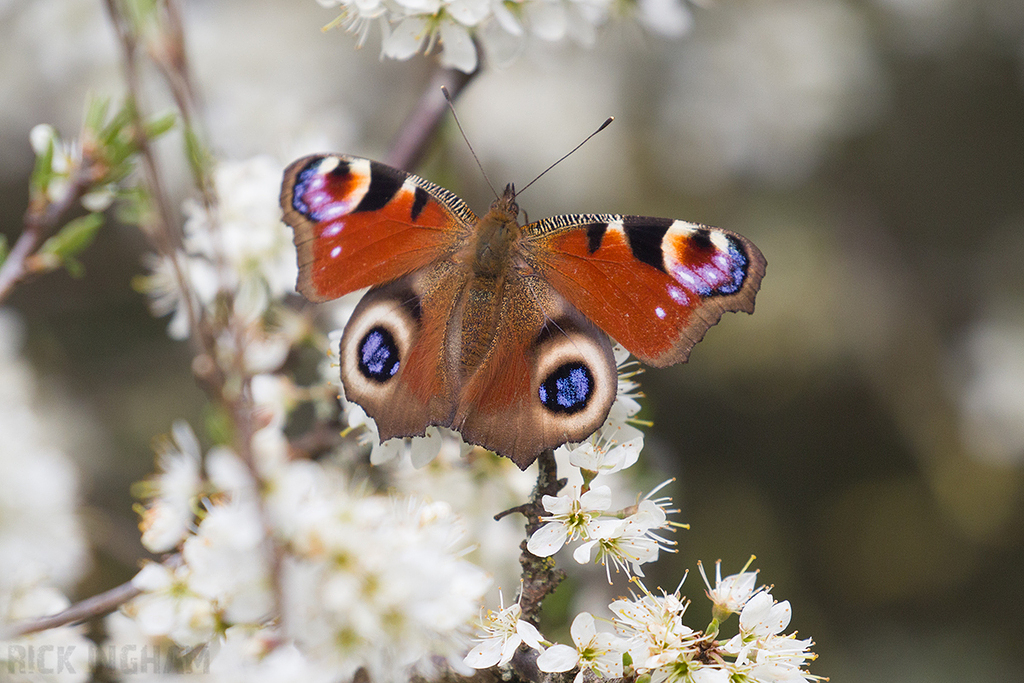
(39, 222)
(422, 122)
(88, 608)
(540, 577)
(83, 610)
(228, 386)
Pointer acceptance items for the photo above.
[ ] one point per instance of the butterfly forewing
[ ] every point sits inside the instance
(360, 223)
(655, 285)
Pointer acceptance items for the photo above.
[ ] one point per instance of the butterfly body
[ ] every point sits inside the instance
(498, 330)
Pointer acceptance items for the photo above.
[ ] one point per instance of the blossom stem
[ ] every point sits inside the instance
(418, 128)
(165, 238)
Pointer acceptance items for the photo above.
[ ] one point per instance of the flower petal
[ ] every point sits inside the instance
(547, 540)
(459, 50)
(558, 658)
(485, 655)
(583, 629)
(406, 38)
(529, 633)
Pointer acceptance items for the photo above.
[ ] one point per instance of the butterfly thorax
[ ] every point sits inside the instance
(495, 234)
(489, 260)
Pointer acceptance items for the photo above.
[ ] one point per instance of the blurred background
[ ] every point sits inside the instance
(862, 433)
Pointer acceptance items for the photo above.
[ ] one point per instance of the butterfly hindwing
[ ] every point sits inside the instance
(655, 285)
(359, 223)
(548, 378)
(394, 355)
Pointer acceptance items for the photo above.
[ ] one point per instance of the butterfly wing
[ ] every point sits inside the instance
(393, 352)
(360, 223)
(655, 285)
(547, 378)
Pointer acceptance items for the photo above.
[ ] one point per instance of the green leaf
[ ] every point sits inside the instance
(4, 250)
(159, 125)
(42, 174)
(198, 157)
(73, 238)
(133, 205)
(74, 267)
(219, 424)
(112, 131)
(95, 112)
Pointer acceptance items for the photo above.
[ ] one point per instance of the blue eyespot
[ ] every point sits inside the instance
(378, 355)
(567, 389)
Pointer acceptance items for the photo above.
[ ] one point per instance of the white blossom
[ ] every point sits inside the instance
(173, 491)
(613, 447)
(730, 594)
(653, 629)
(252, 654)
(239, 245)
(229, 563)
(62, 655)
(41, 534)
(66, 160)
(572, 515)
(629, 543)
(169, 607)
(762, 616)
(599, 652)
(412, 26)
(374, 582)
(505, 633)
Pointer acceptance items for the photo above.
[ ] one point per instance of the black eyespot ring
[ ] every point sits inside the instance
(568, 389)
(378, 355)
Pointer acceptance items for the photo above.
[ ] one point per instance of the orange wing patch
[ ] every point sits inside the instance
(359, 223)
(654, 285)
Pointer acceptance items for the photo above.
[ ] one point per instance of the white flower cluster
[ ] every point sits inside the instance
(500, 26)
(241, 247)
(42, 545)
(624, 539)
(351, 581)
(40, 532)
(650, 630)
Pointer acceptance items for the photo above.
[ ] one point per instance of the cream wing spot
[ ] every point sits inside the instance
(327, 164)
(574, 382)
(376, 342)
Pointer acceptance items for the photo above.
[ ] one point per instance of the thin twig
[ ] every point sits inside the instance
(228, 386)
(420, 125)
(540, 577)
(165, 236)
(37, 226)
(91, 607)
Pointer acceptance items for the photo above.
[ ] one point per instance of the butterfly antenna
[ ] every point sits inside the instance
(451, 105)
(604, 125)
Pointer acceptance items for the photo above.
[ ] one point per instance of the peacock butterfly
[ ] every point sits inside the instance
(498, 330)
